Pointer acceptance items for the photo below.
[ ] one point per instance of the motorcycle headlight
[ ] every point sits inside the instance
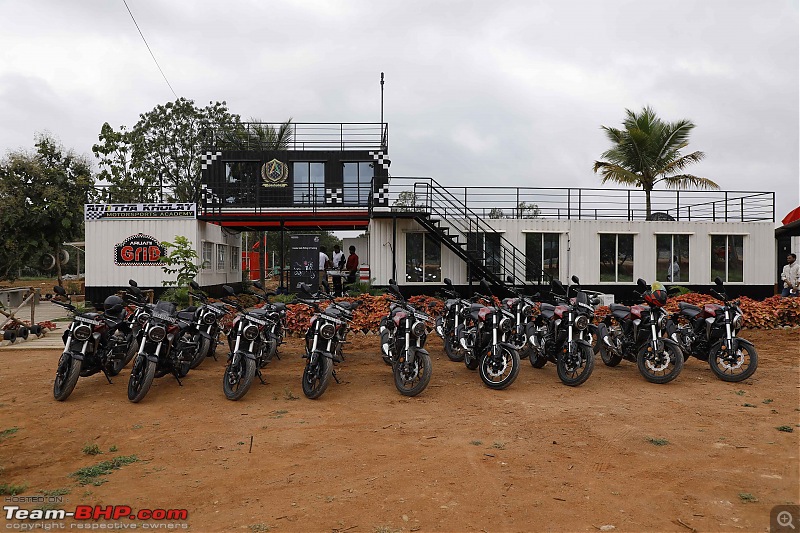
(209, 318)
(418, 329)
(82, 332)
(250, 332)
(157, 333)
(143, 318)
(738, 321)
(327, 331)
(505, 324)
(527, 310)
(581, 322)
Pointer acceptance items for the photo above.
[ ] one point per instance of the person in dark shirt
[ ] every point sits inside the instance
(352, 265)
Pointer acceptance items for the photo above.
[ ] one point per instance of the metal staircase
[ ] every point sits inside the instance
(451, 222)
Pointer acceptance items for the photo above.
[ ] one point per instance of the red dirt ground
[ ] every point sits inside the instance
(538, 456)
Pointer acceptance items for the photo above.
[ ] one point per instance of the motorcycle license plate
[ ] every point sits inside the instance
(423, 316)
(87, 320)
(255, 320)
(165, 317)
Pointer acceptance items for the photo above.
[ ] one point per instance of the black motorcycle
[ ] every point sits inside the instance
(636, 334)
(403, 335)
(562, 334)
(484, 337)
(521, 307)
(249, 340)
(167, 345)
(208, 317)
(711, 334)
(447, 324)
(94, 342)
(325, 336)
(276, 312)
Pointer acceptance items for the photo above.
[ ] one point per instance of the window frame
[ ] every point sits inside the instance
(207, 260)
(221, 258)
(728, 237)
(314, 195)
(617, 235)
(541, 234)
(426, 238)
(672, 253)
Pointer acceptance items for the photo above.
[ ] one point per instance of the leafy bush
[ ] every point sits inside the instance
(177, 295)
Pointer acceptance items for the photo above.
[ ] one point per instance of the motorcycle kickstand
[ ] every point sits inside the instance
(105, 373)
(333, 373)
(260, 377)
(175, 373)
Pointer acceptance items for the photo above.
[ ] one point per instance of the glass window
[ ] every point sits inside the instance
(672, 258)
(235, 258)
(241, 182)
(208, 251)
(423, 258)
(221, 257)
(727, 258)
(488, 248)
(541, 251)
(357, 178)
(309, 183)
(616, 257)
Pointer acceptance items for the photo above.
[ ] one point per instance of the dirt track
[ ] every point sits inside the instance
(460, 457)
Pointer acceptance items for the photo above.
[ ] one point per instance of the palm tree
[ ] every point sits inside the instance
(647, 152)
(267, 137)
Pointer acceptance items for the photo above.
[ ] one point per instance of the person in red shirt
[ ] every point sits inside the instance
(352, 265)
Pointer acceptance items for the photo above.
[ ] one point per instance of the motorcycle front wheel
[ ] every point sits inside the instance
(66, 376)
(413, 379)
(203, 347)
(737, 367)
(238, 378)
(660, 366)
(141, 378)
(576, 367)
(317, 376)
(498, 371)
(452, 349)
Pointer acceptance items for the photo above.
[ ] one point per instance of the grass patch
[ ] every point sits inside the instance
(7, 489)
(91, 449)
(55, 492)
(258, 528)
(93, 474)
(112, 449)
(767, 401)
(657, 441)
(289, 395)
(476, 442)
(748, 405)
(499, 445)
(739, 393)
(787, 429)
(136, 426)
(746, 497)
(8, 432)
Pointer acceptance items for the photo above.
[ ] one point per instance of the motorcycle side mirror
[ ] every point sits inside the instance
(641, 283)
(392, 281)
(673, 290)
(486, 287)
(60, 290)
(575, 279)
(448, 282)
(258, 285)
(193, 284)
(132, 283)
(596, 301)
(229, 290)
(510, 279)
(556, 284)
(718, 281)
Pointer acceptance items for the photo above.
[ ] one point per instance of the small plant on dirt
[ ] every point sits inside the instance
(259, 528)
(476, 442)
(499, 445)
(787, 429)
(91, 449)
(136, 426)
(739, 392)
(240, 443)
(113, 448)
(746, 497)
(92, 474)
(657, 441)
(6, 433)
(7, 489)
(288, 394)
(767, 401)
(55, 492)
(748, 405)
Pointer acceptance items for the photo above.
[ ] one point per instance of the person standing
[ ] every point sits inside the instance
(674, 270)
(352, 265)
(791, 277)
(324, 264)
(338, 264)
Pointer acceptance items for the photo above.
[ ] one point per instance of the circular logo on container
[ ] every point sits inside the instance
(274, 173)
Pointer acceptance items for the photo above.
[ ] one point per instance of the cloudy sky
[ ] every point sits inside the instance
(477, 92)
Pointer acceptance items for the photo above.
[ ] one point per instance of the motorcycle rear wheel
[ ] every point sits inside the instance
(578, 375)
(66, 376)
(238, 377)
(645, 362)
(609, 358)
(203, 347)
(500, 371)
(413, 381)
(141, 378)
(453, 351)
(748, 356)
(317, 377)
(537, 361)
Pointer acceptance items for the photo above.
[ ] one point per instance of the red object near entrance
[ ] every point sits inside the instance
(793, 215)
(250, 262)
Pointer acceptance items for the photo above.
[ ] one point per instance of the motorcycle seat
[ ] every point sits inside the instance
(475, 307)
(547, 310)
(689, 310)
(450, 303)
(191, 309)
(620, 311)
(279, 306)
(186, 315)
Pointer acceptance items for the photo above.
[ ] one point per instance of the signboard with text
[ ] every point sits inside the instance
(126, 211)
(139, 250)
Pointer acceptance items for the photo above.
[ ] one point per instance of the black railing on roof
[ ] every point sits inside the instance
(249, 136)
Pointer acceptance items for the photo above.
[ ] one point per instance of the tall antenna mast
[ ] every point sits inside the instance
(383, 129)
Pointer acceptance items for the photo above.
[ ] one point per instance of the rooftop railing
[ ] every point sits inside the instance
(255, 136)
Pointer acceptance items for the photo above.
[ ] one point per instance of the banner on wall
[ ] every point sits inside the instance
(119, 211)
(304, 256)
(138, 250)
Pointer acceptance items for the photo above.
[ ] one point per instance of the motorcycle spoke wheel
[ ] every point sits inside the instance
(499, 370)
(66, 377)
(238, 377)
(662, 365)
(737, 366)
(141, 378)
(316, 377)
(576, 367)
(412, 379)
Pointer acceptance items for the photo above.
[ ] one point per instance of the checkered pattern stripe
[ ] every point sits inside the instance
(381, 158)
(94, 215)
(207, 158)
(334, 196)
(381, 195)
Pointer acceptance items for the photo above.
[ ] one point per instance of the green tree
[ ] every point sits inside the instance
(647, 151)
(42, 193)
(161, 151)
(181, 259)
